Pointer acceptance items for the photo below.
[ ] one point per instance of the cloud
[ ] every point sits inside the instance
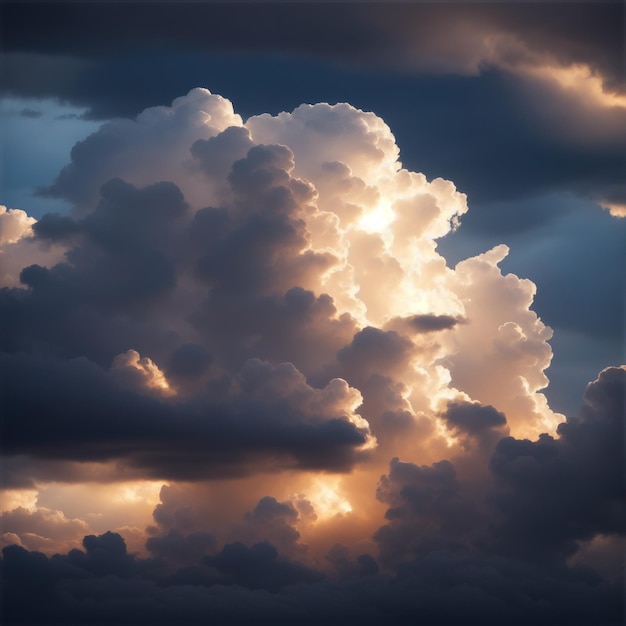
(258, 567)
(446, 551)
(120, 147)
(544, 499)
(179, 549)
(18, 246)
(517, 342)
(574, 482)
(475, 426)
(26, 112)
(14, 225)
(468, 82)
(42, 529)
(266, 331)
(279, 277)
(264, 412)
(408, 36)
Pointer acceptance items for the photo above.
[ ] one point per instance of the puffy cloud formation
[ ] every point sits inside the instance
(41, 529)
(18, 247)
(452, 548)
(292, 239)
(257, 313)
(14, 224)
(541, 83)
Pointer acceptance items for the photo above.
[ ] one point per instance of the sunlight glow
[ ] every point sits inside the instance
(12, 498)
(616, 209)
(378, 220)
(144, 491)
(327, 501)
(150, 375)
(580, 78)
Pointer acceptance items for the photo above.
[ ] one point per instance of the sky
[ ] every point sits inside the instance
(313, 312)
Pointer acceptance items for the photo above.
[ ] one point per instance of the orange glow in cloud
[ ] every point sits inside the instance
(382, 373)
(327, 500)
(581, 81)
(147, 372)
(13, 498)
(616, 209)
(64, 513)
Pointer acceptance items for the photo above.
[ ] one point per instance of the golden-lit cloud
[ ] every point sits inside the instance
(269, 360)
(135, 371)
(616, 209)
(14, 224)
(17, 247)
(578, 81)
(364, 243)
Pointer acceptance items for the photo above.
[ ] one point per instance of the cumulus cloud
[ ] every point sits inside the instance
(18, 247)
(42, 529)
(257, 313)
(74, 410)
(584, 465)
(119, 148)
(14, 224)
(286, 267)
(544, 499)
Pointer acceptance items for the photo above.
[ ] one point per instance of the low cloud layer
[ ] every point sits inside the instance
(451, 547)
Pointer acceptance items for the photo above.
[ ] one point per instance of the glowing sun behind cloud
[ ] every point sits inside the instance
(326, 499)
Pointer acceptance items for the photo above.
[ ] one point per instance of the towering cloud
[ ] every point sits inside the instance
(257, 313)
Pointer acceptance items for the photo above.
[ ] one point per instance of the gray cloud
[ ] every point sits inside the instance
(554, 493)
(371, 33)
(73, 410)
(193, 337)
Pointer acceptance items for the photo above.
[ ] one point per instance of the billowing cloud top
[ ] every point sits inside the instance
(239, 287)
(264, 302)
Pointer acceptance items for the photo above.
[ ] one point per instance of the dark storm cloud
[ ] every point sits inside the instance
(346, 567)
(473, 418)
(481, 538)
(428, 323)
(259, 567)
(120, 259)
(261, 243)
(188, 361)
(373, 351)
(402, 60)
(73, 410)
(127, 255)
(181, 549)
(430, 511)
(129, 233)
(438, 589)
(452, 553)
(371, 33)
(254, 258)
(556, 492)
(542, 500)
(256, 564)
(115, 298)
